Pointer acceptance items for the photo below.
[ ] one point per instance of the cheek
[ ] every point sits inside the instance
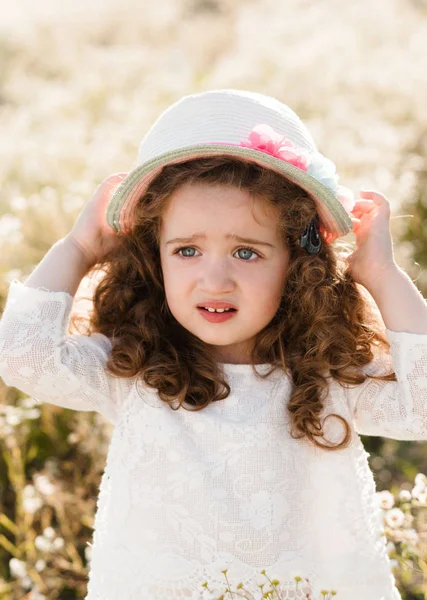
(275, 285)
(171, 283)
(274, 277)
(177, 285)
(266, 293)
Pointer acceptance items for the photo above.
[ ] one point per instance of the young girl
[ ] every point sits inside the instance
(236, 441)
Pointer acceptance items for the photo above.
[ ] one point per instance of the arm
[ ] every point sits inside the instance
(395, 409)
(37, 355)
(373, 265)
(69, 260)
(61, 269)
(401, 304)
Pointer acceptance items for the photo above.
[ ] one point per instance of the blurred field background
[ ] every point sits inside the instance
(80, 84)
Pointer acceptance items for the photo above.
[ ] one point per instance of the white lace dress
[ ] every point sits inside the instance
(187, 494)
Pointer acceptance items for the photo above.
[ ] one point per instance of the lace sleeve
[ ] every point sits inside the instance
(38, 357)
(394, 409)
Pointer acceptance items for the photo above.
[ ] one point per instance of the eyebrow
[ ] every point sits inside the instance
(228, 236)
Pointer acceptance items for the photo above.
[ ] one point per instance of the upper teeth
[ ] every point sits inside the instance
(216, 309)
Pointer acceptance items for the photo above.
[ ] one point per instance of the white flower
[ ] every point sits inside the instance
(394, 517)
(33, 413)
(398, 535)
(26, 582)
(42, 544)
(27, 402)
(417, 491)
(17, 568)
(405, 495)
(31, 501)
(49, 533)
(421, 480)
(58, 543)
(73, 438)
(422, 497)
(14, 418)
(43, 484)
(386, 499)
(32, 505)
(40, 565)
(29, 491)
(411, 536)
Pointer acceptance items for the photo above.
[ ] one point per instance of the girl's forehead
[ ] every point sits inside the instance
(206, 201)
(187, 231)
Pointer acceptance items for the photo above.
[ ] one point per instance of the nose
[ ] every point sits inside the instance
(216, 278)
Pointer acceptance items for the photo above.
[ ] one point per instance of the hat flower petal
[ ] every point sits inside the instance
(265, 139)
(324, 170)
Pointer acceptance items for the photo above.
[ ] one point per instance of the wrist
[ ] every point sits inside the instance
(380, 278)
(88, 257)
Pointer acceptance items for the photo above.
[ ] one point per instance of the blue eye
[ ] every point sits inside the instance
(249, 250)
(181, 248)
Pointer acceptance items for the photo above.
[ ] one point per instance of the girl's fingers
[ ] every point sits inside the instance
(372, 194)
(108, 186)
(363, 206)
(114, 180)
(376, 197)
(365, 203)
(356, 224)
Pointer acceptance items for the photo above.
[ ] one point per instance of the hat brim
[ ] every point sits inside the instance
(333, 216)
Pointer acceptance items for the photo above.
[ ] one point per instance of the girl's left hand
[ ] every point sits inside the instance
(374, 244)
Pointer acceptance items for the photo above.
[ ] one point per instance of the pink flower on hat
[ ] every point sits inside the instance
(265, 139)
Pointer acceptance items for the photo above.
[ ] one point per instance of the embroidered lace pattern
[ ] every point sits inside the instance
(187, 494)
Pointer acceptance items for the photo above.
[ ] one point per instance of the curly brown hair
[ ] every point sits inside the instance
(337, 322)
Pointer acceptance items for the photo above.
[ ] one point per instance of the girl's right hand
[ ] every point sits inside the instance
(91, 232)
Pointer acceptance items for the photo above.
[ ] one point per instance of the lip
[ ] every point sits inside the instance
(216, 317)
(216, 304)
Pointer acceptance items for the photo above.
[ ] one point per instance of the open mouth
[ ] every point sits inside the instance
(213, 312)
(216, 317)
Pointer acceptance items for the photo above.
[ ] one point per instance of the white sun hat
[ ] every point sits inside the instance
(243, 124)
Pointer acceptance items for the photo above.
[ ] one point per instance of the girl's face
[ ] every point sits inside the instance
(215, 267)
